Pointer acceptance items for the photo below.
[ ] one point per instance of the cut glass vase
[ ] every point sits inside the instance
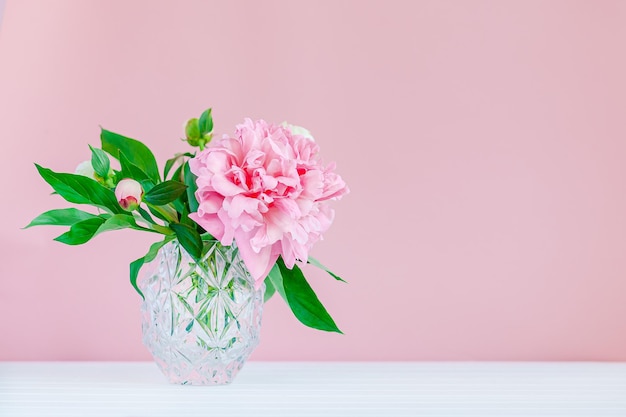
(200, 320)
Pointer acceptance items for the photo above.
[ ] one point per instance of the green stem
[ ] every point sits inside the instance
(170, 214)
(152, 227)
(162, 229)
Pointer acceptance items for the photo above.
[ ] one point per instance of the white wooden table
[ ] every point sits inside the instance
(318, 389)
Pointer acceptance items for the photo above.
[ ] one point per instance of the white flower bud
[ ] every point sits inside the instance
(298, 130)
(129, 194)
(86, 170)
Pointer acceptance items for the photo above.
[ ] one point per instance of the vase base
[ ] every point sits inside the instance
(211, 376)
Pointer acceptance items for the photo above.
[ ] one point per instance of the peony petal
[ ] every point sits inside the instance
(255, 158)
(299, 234)
(258, 264)
(305, 205)
(312, 184)
(287, 252)
(225, 187)
(210, 202)
(277, 223)
(334, 186)
(260, 239)
(211, 223)
(217, 160)
(269, 182)
(288, 206)
(247, 222)
(229, 230)
(241, 203)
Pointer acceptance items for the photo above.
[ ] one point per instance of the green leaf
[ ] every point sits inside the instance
(121, 221)
(80, 190)
(137, 153)
(177, 175)
(146, 216)
(81, 232)
(184, 213)
(318, 264)
(130, 170)
(302, 300)
(205, 123)
(164, 193)
(269, 290)
(188, 238)
(100, 162)
(136, 265)
(85, 230)
(158, 215)
(169, 164)
(276, 279)
(180, 206)
(190, 182)
(146, 185)
(60, 217)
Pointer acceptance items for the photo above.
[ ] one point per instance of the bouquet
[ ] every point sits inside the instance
(264, 190)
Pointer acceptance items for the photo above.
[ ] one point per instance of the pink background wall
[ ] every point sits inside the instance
(484, 143)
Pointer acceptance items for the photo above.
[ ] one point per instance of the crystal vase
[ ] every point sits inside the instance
(200, 320)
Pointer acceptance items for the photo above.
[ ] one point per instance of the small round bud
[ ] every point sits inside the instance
(86, 170)
(129, 194)
(192, 132)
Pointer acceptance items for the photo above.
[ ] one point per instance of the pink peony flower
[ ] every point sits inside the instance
(129, 194)
(267, 190)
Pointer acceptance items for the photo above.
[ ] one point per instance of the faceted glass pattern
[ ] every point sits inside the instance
(200, 321)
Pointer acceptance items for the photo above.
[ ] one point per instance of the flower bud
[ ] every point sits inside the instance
(86, 170)
(206, 138)
(129, 194)
(192, 132)
(298, 130)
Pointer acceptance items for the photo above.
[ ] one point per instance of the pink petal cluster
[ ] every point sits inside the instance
(267, 190)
